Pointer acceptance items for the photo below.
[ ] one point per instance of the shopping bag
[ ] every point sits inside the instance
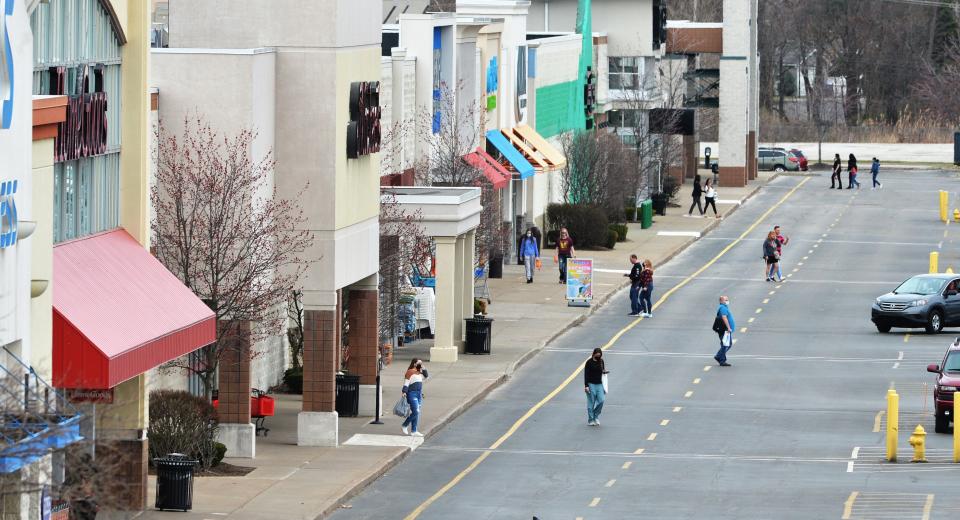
(605, 379)
(402, 408)
(727, 339)
(539, 264)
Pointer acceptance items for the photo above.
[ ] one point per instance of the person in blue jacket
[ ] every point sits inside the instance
(530, 252)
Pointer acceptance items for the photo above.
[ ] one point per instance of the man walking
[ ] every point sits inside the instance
(723, 325)
(875, 172)
(837, 169)
(634, 275)
(781, 241)
(564, 251)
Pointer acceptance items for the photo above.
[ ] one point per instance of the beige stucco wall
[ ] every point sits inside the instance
(135, 102)
(629, 23)
(41, 260)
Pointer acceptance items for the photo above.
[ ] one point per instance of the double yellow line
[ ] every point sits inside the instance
(606, 346)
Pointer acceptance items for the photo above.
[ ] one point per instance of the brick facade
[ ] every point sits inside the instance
(363, 335)
(234, 373)
(122, 475)
(319, 360)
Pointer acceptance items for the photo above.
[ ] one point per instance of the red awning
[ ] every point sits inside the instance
(118, 312)
(491, 169)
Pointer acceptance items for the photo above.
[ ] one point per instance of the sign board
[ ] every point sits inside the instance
(95, 396)
(579, 281)
(363, 130)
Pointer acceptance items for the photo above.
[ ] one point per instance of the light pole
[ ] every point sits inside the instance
(376, 411)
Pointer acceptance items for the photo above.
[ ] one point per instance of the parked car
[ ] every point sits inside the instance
(802, 159)
(948, 382)
(777, 159)
(927, 300)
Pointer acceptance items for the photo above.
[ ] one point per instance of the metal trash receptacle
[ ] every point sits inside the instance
(479, 334)
(348, 395)
(646, 214)
(174, 482)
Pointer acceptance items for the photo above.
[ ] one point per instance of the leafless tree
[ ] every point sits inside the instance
(295, 330)
(404, 245)
(223, 231)
(598, 166)
(449, 130)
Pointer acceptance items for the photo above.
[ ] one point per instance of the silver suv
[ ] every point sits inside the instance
(777, 159)
(930, 301)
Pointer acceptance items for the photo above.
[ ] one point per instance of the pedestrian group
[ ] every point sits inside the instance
(709, 194)
(836, 182)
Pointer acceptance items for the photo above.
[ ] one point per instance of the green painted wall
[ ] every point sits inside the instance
(556, 109)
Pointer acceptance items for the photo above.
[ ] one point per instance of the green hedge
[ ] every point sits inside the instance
(612, 238)
(586, 224)
(621, 230)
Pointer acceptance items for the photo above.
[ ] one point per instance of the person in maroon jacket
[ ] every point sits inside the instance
(564, 251)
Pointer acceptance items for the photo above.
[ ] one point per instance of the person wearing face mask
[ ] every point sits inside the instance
(593, 372)
(413, 391)
(530, 252)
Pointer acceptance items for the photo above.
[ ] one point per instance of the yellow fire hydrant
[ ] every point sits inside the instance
(956, 215)
(919, 440)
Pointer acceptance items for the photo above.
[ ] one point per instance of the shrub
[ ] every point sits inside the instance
(587, 224)
(182, 423)
(552, 237)
(621, 230)
(670, 186)
(611, 239)
(630, 214)
(219, 450)
(293, 378)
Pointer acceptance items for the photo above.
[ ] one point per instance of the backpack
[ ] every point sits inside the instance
(718, 324)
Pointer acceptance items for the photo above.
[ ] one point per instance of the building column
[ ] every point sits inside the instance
(689, 156)
(236, 431)
(317, 424)
(445, 346)
(458, 328)
(364, 340)
(120, 447)
(469, 247)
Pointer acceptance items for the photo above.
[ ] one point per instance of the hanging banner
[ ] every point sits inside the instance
(579, 281)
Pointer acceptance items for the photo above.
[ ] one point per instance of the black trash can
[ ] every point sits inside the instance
(174, 482)
(479, 333)
(348, 395)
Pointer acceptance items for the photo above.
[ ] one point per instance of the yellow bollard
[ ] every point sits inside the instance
(956, 431)
(944, 203)
(934, 262)
(919, 442)
(956, 215)
(893, 422)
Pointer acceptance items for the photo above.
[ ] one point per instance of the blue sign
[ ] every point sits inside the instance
(6, 76)
(8, 214)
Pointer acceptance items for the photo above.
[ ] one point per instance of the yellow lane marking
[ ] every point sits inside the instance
(735, 341)
(579, 518)
(758, 311)
(789, 275)
(610, 482)
(616, 337)
(816, 245)
(696, 381)
(810, 252)
(772, 293)
(848, 505)
(779, 286)
(638, 451)
(807, 256)
(688, 394)
(595, 501)
(906, 338)
(876, 421)
(800, 263)
(751, 320)
(664, 422)
(652, 436)
(795, 269)
(676, 409)
(927, 507)
(707, 368)
(627, 464)
(743, 330)
(824, 235)
(766, 301)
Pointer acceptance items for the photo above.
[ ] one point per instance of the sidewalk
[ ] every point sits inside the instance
(302, 482)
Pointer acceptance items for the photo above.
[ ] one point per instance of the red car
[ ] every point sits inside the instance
(802, 159)
(948, 382)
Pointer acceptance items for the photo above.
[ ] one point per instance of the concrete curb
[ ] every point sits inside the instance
(444, 420)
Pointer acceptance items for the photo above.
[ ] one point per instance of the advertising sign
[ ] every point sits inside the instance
(579, 281)
(77, 395)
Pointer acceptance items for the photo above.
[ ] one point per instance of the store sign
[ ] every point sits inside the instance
(6, 66)
(84, 133)
(493, 83)
(77, 395)
(8, 214)
(363, 130)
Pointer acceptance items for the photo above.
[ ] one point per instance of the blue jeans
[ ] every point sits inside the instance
(875, 182)
(563, 268)
(853, 180)
(635, 299)
(414, 399)
(594, 401)
(646, 295)
(721, 356)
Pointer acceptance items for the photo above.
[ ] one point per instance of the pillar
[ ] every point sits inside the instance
(317, 423)
(753, 125)
(689, 148)
(445, 346)
(458, 316)
(364, 341)
(120, 448)
(469, 245)
(734, 93)
(236, 431)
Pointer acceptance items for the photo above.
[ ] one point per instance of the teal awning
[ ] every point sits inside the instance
(514, 157)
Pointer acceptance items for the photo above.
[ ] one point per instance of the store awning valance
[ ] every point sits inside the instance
(118, 312)
(516, 160)
(491, 169)
(536, 149)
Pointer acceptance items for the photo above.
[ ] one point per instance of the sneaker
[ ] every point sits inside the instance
(405, 430)
(634, 314)
(596, 422)
(724, 364)
(648, 315)
(416, 434)
(715, 358)
(591, 423)
(881, 186)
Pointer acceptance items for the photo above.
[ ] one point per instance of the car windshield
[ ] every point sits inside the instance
(920, 285)
(952, 363)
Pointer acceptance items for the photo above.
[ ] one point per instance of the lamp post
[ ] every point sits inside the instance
(376, 411)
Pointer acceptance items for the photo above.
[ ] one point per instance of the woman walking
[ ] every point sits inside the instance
(875, 172)
(413, 391)
(837, 168)
(770, 256)
(646, 288)
(709, 197)
(697, 192)
(852, 172)
(593, 372)
(530, 252)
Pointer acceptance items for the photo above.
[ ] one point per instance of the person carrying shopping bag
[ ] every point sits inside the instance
(530, 252)
(594, 372)
(413, 391)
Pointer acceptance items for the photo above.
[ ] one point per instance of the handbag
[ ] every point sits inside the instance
(402, 408)
(605, 379)
(718, 324)
(539, 264)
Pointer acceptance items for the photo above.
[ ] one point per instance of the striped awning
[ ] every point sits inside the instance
(516, 161)
(535, 148)
(489, 167)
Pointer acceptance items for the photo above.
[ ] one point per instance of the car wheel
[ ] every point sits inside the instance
(779, 168)
(942, 424)
(934, 322)
(883, 327)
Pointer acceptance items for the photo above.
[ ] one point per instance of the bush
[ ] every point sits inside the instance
(587, 224)
(293, 379)
(552, 237)
(621, 230)
(219, 450)
(670, 187)
(611, 239)
(630, 214)
(182, 423)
